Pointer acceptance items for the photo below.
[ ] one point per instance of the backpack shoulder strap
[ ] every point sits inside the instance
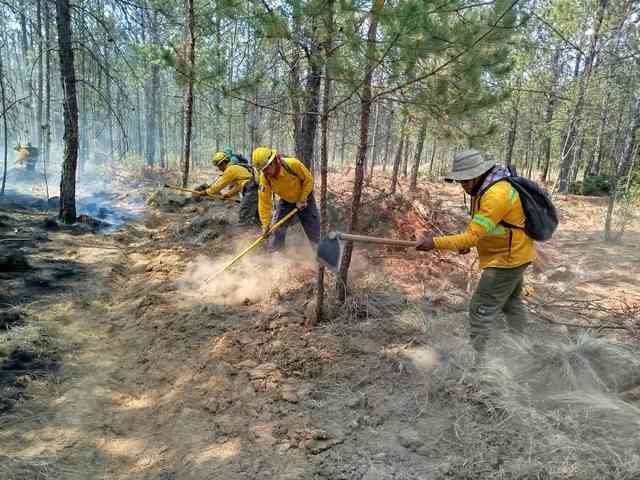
(289, 170)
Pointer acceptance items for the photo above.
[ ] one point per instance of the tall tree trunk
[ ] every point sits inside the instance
(324, 152)
(309, 120)
(343, 142)
(152, 100)
(47, 108)
(433, 156)
(161, 134)
(107, 71)
(68, 80)
(188, 100)
(398, 159)
(83, 124)
(5, 126)
(365, 109)
(374, 141)
(422, 134)
(387, 143)
(513, 131)
(40, 73)
(408, 149)
(567, 157)
(548, 115)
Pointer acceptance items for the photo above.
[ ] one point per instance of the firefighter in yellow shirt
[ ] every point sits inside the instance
(292, 182)
(496, 231)
(236, 178)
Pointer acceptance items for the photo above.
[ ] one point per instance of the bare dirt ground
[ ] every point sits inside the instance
(129, 356)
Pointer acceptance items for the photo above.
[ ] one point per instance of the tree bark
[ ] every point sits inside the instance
(47, 108)
(309, 120)
(5, 126)
(513, 131)
(422, 134)
(40, 73)
(188, 100)
(161, 133)
(324, 154)
(68, 80)
(387, 140)
(398, 158)
(374, 141)
(365, 109)
(548, 116)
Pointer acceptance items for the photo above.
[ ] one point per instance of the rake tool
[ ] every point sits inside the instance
(331, 248)
(199, 193)
(260, 239)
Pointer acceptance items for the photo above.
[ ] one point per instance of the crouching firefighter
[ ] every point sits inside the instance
(290, 180)
(500, 204)
(237, 177)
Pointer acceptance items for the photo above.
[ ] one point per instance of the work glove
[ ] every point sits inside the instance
(201, 188)
(265, 230)
(301, 205)
(425, 244)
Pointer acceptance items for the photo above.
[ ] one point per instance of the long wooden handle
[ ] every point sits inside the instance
(181, 189)
(202, 194)
(383, 241)
(260, 239)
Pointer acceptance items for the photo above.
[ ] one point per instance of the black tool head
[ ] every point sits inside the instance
(330, 252)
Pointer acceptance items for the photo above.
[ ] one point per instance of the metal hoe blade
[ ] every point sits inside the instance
(330, 251)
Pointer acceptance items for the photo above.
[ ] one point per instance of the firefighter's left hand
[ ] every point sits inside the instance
(426, 244)
(301, 205)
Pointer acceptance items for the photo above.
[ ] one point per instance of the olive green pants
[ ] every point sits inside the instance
(499, 290)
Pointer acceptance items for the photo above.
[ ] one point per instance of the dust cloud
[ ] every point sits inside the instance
(256, 277)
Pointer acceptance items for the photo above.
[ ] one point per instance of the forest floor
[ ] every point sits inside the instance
(127, 355)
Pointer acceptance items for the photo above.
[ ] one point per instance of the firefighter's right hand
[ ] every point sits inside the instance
(266, 230)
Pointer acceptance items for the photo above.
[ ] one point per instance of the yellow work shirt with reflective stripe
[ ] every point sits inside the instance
(292, 188)
(501, 202)
(233, 176)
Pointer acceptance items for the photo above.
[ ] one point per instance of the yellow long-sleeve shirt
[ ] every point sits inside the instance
(292, 188)
(501, 202)
(234, 176)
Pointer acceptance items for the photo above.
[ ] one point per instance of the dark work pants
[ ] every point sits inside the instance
(309, 218)
(499, 289)
(249, 205)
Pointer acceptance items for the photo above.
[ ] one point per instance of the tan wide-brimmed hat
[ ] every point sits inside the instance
(468, 165)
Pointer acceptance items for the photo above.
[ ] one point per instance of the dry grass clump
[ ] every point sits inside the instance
(33, 469)
(376, 302)
(541, 411)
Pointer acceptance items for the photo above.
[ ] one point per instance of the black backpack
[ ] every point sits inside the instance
(241, 159)
(541, 217)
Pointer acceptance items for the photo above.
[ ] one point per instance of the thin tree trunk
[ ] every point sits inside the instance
(188, 101)
(422, 134)
(374, 141)
(398, 159)
(40, 74)
(365, 109)
(68, 80)
(344, 139)
(161, 134)
(387, 141)
(433, 156)
(4, 124)
(47, 109)
(324, 155)
(152, 88)
(567, 156)
(408, 150)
